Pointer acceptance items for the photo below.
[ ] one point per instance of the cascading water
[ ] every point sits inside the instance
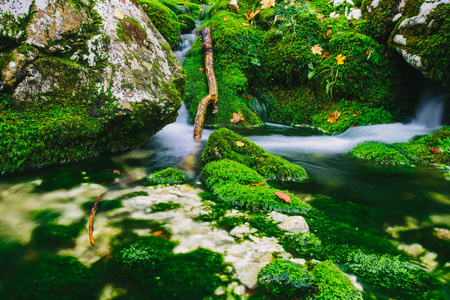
(427, 120)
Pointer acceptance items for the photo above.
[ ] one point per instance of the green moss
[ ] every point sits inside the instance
(302, 244)
(332, 283)
(379, 23)
(57, 277)
(286, 280)
(193, 274)
(165, 206)
(129, 30)
(54, 236)
(231, 182)
(102, 206)
(164, 19)
(144, 257)
(187, 23)
(399, 278)
(379, 153)
(222, 144)
(44, 215)
(168, 176)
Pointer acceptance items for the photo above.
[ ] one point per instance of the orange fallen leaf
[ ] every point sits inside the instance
(367, 52)
(255, 184)
(201, 69)
(226, 19)
(334, 116)
(329, 32)
(114, 171)
(283, 196)
(434, 150)
(357, 26)
(249, 97)
(240, 144)
(288, 25)
(157, 233)
(245, 24)
(355, 115)
(353, 125)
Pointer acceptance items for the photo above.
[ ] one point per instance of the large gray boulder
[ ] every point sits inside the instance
(88, 76)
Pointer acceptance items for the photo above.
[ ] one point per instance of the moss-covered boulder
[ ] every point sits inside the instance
(224, 143)
(243, 187)
(187, 23)
(432, 149)
(164, 19)
(81, 79)
(166, 176)
(418, 30)
(286, 280)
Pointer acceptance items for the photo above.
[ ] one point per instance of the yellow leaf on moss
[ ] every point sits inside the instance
(237, 117)
(267, 4)
(245, 24)
(240, 144)
(334, 117)
(340, 59)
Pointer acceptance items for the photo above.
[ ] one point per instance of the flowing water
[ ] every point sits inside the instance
(409, 199)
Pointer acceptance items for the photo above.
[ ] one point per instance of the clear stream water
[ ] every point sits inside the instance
(408, 197)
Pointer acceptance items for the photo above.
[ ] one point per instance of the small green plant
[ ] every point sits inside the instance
(167, 176)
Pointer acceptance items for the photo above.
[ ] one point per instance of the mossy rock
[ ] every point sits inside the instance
(332, 283)
(379, 153)
(302, 244)
(187, 23)
(169, 176)
(165, 20)
(286, 280)
(50, 235)
(241, 186)
(222, 144)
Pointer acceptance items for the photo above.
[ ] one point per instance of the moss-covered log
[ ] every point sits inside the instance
(212, 97)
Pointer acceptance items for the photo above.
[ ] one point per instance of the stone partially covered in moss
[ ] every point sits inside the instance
(432, 149)
(332, 283)
(286, 280)
(222, 144)
(241, 186)
(143, 257)
(167, 176)
(379, 153)
(164, 19)
(304, 244)
(192, 275)
(79, 85)
(57, 277)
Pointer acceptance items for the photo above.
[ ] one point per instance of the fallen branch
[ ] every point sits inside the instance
(212, 97)
(91, 220)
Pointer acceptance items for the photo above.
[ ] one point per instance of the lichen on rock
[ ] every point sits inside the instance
(90, 77)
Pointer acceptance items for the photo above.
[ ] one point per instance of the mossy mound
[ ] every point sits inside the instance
(54, 236)
(222, 144)
(187, 23)
(286, 280)
(432, 149)
(332, 283)
(241, 186)
(379, 153)
(164, 19)
(168, 176)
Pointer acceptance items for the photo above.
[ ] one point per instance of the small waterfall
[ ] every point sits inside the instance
(428, 119)
(186, 41)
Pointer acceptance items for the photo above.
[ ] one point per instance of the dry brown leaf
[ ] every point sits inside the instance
(316, 49)
(329, 32)
(251, 15)
(118, 14)
(240, 144)
(237, 117)
(283, 196)
(334, 116)
(245, 24)
(267, 4)
(157, 233)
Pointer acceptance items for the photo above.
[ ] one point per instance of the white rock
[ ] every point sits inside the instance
(277, 217)
(397, 17)
(294, 224)
(242, 230)
(399, 39)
